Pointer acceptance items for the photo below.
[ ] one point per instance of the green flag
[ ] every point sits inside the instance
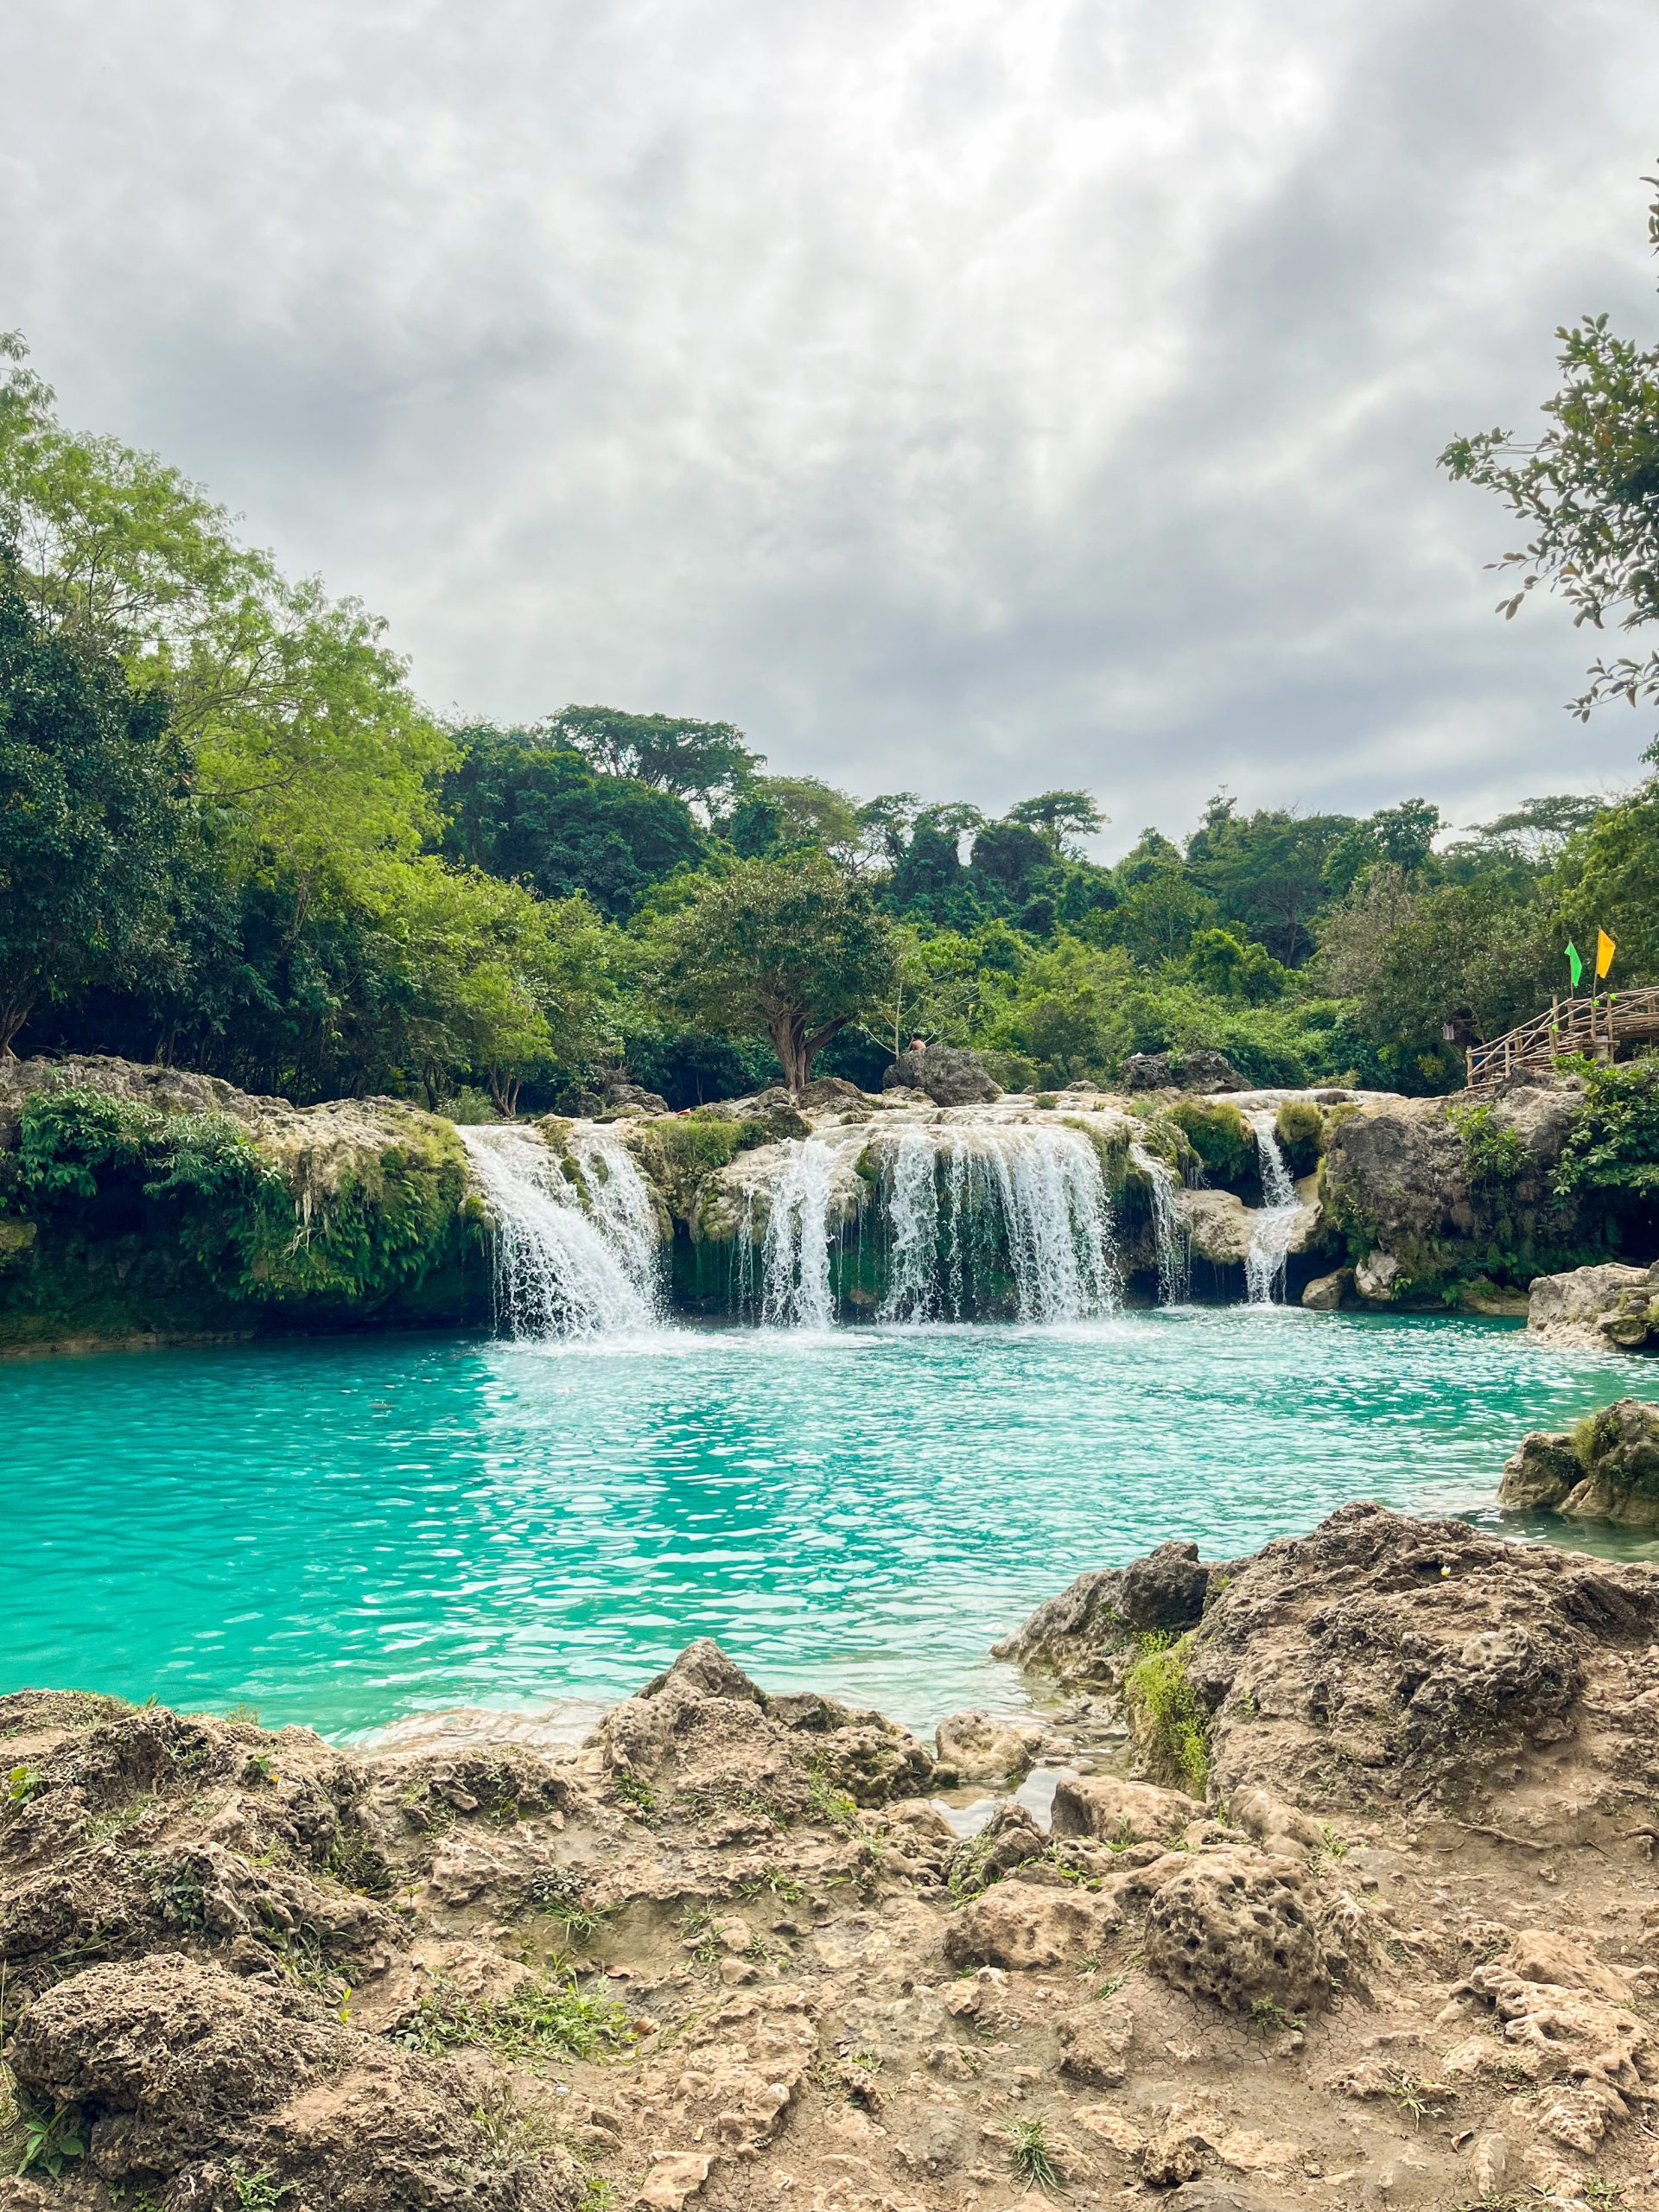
(1574, 964)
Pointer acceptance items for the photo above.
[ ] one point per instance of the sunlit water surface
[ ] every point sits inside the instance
(348, 1531)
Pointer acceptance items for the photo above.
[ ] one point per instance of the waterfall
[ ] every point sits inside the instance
(913, 1208)
(795, 1288)
(564, 1269)
(1264, 1263)
(971, 1201)
(1169, 1238)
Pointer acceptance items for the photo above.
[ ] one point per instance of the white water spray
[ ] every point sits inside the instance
(561, 1269)
(1264, 1263)
(966, 1200)
(796, 1289)
(1169, 1238)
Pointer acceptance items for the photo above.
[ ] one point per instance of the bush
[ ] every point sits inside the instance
(1491, 1152)
(1300, 1128)
(1611, 1153)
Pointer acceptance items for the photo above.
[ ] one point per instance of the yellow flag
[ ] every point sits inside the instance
(1605, 950)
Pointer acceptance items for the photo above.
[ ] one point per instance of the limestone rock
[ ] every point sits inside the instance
(1377, 1278)
(1081, 1634)
(632, 1098)
(1379, 1656)
(1200, 1070)
(947, 1075)
(1115, 1811)
(1021, 1925)
(1540, 1474)
(1328, 1293)
(984, 1749)
(1243, 1928)
(1620, 1450)
(1609, 1308)
(1095, 2040)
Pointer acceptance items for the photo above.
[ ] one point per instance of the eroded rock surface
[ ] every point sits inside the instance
(730, 1956)
(1608, 1308)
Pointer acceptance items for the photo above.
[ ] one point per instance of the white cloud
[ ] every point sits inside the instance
(960, 397)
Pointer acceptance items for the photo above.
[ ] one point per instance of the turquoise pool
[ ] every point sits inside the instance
(346, 1531)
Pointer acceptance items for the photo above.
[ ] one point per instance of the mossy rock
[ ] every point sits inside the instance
(1222, 1140)
(1300, 1125)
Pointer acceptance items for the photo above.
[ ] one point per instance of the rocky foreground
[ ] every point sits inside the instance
(1376, 1924)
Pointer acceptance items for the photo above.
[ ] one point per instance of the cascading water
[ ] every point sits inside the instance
(796, 1290)
(911, 1194)
(968, 1203)
(1169, 1238)
(563, 1269)
(1264, 1263)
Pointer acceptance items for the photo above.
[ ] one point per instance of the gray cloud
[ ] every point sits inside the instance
(959, 397)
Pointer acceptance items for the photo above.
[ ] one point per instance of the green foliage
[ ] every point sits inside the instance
(1176, 1726)
(1222, 1138)
(1611, 1154)
(546, 2016)
(93, 813)
(1491, 1152)
(50, 2138)
(1588, 492)
(258, 2191)
(1030, 2158)
(1300, 1125)
(796, 948)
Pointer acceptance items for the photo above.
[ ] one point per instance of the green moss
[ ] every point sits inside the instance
(1171, 1725)
(1111, 1146)
(1221, 1137)
(680, 1151)
(1300, 1128)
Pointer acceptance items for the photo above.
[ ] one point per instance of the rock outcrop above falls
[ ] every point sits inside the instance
(734, 1954)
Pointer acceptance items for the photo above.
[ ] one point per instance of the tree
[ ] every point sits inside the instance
(94, 803)
(1011, 855)
(304, 731)
(780, 814)
(1059, 818)
(792, 947)
(702, 761)
(522, 806)
(1588, 492)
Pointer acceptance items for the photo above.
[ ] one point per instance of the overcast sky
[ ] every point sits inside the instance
(971, 396)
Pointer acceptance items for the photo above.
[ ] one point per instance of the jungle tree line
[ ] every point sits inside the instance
(232, 837)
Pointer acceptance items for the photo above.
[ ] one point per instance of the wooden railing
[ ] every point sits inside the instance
(1595, 1027)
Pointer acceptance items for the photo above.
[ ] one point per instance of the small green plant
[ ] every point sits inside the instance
(1413, 2096)
(1046, 1099)
(512, 2134)
(1159, 1690)
(786, 1888)
(1491, 1152)
(701, 1936)
(829, 1805)
(1598, 2191)
(598, 2195)
(258, 1769)
(556, 1894)
(257, 2192)
(548, 2017)
(1267, 2013)
(23, 1785)
(51, 2137)
(1331, 1844)
(356, 1863)
(1029, 2155)
(636, 1793)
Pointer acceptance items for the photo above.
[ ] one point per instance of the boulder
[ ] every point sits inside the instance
(1115, 1811)
(1095, 2040)
(1619, 1449)
(1609, 1308)
(1540, 1474)
(632, 1098)
(1027, 1926)
(1081, 1635)
(1377, 1279)
(947, 1075)
(1202, 1070)
(828, 1092)
(1381, 1659)
(1329, 1293)
(1243, 1928)
(984, 1749)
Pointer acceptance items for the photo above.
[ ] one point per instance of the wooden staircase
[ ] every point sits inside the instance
(1595, 1027)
